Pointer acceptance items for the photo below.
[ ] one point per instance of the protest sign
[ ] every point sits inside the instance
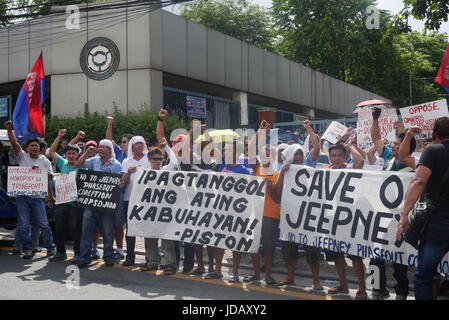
(24, 181)
(66, 188)
(348, 211)
(196, 107)
(424, 116)
(387, 119)
(99, 191)
(334, 132)
(217, 209)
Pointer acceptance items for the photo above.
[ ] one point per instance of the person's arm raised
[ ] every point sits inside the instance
(404, 154)
(109, 132)
(52, 153)
(315, 152)
(79, 136)
(375, 132)
(12, 138)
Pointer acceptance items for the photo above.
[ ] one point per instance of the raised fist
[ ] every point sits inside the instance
(8, 124)
(265, 125)
(91, 151)
(163, 113)
(62, 132)
(81, 135)
(414, 130)
(376, 113)
(307, 124)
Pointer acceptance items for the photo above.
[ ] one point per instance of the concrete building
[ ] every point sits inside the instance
(131, 57)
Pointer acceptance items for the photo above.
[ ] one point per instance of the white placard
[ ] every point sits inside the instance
(334, 132)
(353, 212)
(222, 210)
(25, 181)
(424, 115)
(66, 188)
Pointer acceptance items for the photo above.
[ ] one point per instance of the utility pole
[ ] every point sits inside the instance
(410, 86)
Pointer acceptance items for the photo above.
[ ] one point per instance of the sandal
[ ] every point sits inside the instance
(234, 278)
(169, 270)
(337, 290)
(361, 295)
(286, 283)
(213, 275)
(197, 272)
(151, 267)
(270, 280)
(250, 278)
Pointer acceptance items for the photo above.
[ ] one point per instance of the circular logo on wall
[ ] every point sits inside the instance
(100, 58)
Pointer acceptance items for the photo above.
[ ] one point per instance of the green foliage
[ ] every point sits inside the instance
(140, 123)
(237, 18)
(434, 12)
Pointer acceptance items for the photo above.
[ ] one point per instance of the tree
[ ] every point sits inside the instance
(434, 12)
(237, 18)
(331, 36)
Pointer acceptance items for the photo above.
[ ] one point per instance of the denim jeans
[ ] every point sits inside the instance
(28, 209)
(106, 222)
(35, 234)
(68, 218)
(433, 246)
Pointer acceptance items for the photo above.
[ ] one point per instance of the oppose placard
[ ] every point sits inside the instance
(25, 181)
(99, 191)
(387, 119)
(334, 132)
(348, 211)
(424, 116)
(216, 209)
(66, 188)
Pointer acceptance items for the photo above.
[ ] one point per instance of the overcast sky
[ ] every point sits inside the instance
(394, 6)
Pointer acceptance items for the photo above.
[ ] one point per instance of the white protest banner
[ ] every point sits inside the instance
(387, 119)
(217, 209)
(424, 116)
(24, 181)
(65, 188)
(334, 132)
(348, 211)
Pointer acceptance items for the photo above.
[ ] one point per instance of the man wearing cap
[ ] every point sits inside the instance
(105, 162)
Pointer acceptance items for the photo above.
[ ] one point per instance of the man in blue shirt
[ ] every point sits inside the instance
(105, 162)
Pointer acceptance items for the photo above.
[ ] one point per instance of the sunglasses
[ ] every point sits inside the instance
(123, 142)
(157, 159)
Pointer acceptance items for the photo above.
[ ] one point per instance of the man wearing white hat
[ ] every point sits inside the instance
(105, 161)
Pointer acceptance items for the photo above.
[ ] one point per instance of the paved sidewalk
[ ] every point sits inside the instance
(303, 278)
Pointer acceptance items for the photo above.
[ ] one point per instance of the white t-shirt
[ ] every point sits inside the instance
(128, 163)
(41, 161)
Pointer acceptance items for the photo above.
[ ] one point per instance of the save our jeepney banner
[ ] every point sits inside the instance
(424, 116)
(66, 188)
(387, 119)
(222, 210)
(348, 211)
(98, 190)
(25, 181)
(334, 132)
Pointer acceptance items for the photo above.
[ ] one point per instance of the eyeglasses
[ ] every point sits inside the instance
(157, 159)
(123, 142)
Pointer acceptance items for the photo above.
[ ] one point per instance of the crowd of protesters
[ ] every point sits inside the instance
(270, 161)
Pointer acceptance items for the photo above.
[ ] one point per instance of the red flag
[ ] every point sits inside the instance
(27, 116)
(443, 74)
